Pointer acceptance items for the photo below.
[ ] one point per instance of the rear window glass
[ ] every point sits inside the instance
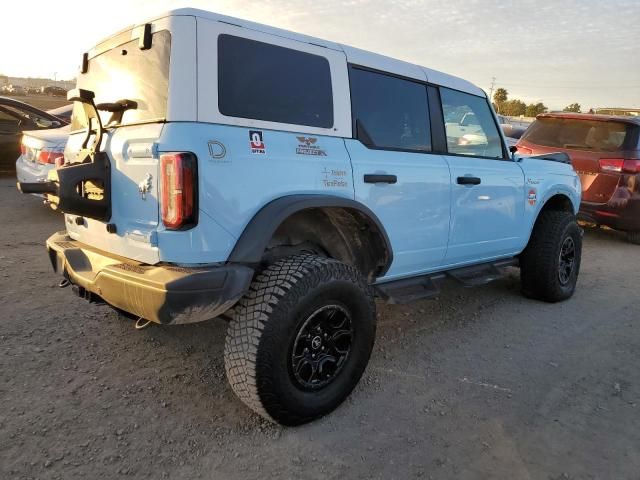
(579, 134)
(391, 111)
(127, 72)
(266, 82)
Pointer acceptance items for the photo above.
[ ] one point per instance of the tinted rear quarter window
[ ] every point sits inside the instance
(262, 81)
(569, 133)
(392, 112)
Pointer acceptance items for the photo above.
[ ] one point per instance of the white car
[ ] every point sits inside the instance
(40, 150)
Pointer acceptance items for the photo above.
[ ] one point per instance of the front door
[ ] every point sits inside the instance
(487, 196)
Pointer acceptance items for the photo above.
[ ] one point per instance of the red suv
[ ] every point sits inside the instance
(605, 152)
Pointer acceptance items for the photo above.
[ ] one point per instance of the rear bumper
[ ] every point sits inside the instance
(624, 218)
(165, 294)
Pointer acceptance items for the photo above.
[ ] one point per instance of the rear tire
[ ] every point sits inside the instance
(550, 264)
(633, 237)
(300, 339)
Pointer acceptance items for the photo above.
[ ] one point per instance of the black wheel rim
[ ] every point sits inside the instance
(321, 347)
(567, 260)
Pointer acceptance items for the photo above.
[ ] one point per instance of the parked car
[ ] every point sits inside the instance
(512, 131)
(41, 151)
(605, 151)
(63, 113)
(284, 186)
(16, 117)
(15, 91)
(54, 91)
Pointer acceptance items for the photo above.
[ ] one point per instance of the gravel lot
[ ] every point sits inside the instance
(479, 384)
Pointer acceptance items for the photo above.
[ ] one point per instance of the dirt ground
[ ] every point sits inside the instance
(481, 383)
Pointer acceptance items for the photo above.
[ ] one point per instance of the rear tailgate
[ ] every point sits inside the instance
(134, 198)
(123, 68)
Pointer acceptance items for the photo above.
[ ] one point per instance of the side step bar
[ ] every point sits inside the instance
(428, 286)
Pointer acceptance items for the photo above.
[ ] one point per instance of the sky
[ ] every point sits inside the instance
(557, 52)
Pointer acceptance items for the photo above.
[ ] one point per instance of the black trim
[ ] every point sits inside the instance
(144, 42)
(469, 180)
(438, 131)
(254, 240)
(379, 178)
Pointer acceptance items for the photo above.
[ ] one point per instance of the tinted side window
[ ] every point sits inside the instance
(471, 129)
(390, 112)
(265, 82)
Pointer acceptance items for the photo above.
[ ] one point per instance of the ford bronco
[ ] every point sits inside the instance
(221, 168)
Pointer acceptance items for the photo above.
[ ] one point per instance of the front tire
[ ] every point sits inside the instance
(550, 264)
(300, 339)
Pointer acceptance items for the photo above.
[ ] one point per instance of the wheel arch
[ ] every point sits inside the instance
(346, 229)
(557, 201)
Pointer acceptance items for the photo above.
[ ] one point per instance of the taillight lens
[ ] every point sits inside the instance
(179, 183)
(619, 165)
(23, 149)
(50, 155)
(631, 166)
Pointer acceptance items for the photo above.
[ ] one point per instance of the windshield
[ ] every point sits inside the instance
(569, 133)
(127, 72)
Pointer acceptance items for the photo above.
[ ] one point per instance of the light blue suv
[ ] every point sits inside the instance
(218, 167)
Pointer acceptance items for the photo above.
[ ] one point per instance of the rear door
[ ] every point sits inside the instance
(120, 69)
(487, 196)
(394, 170)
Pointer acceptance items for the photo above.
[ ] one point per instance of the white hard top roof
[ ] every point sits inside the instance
(354, 55)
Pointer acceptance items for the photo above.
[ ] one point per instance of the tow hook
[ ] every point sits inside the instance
(64, 283)
(141, 323)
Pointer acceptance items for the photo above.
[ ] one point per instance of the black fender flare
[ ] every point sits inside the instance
(256, 236)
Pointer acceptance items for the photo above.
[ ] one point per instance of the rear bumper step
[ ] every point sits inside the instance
(165, 294)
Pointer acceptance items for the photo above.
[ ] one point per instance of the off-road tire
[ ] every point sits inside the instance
(633, 237)
(540, 261)
(265, 325)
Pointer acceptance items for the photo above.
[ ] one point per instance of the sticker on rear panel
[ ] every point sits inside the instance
(533, 197)
(256, 142)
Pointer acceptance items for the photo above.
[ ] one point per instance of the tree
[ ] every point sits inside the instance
(513, 108)
(574, 107)
(499, 98)
(534, 110)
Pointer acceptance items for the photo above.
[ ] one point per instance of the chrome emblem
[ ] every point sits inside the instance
(144, 186)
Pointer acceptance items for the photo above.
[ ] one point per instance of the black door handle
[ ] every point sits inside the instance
(379, 178)
(469, 181)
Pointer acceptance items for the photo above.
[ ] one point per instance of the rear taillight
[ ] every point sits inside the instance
(50, 155)
(631, 166)
(23, 149)
(611, 164)
(179, 184)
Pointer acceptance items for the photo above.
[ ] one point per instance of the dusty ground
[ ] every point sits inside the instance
(480, 384)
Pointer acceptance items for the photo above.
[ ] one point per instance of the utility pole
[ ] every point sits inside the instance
(493, 84)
